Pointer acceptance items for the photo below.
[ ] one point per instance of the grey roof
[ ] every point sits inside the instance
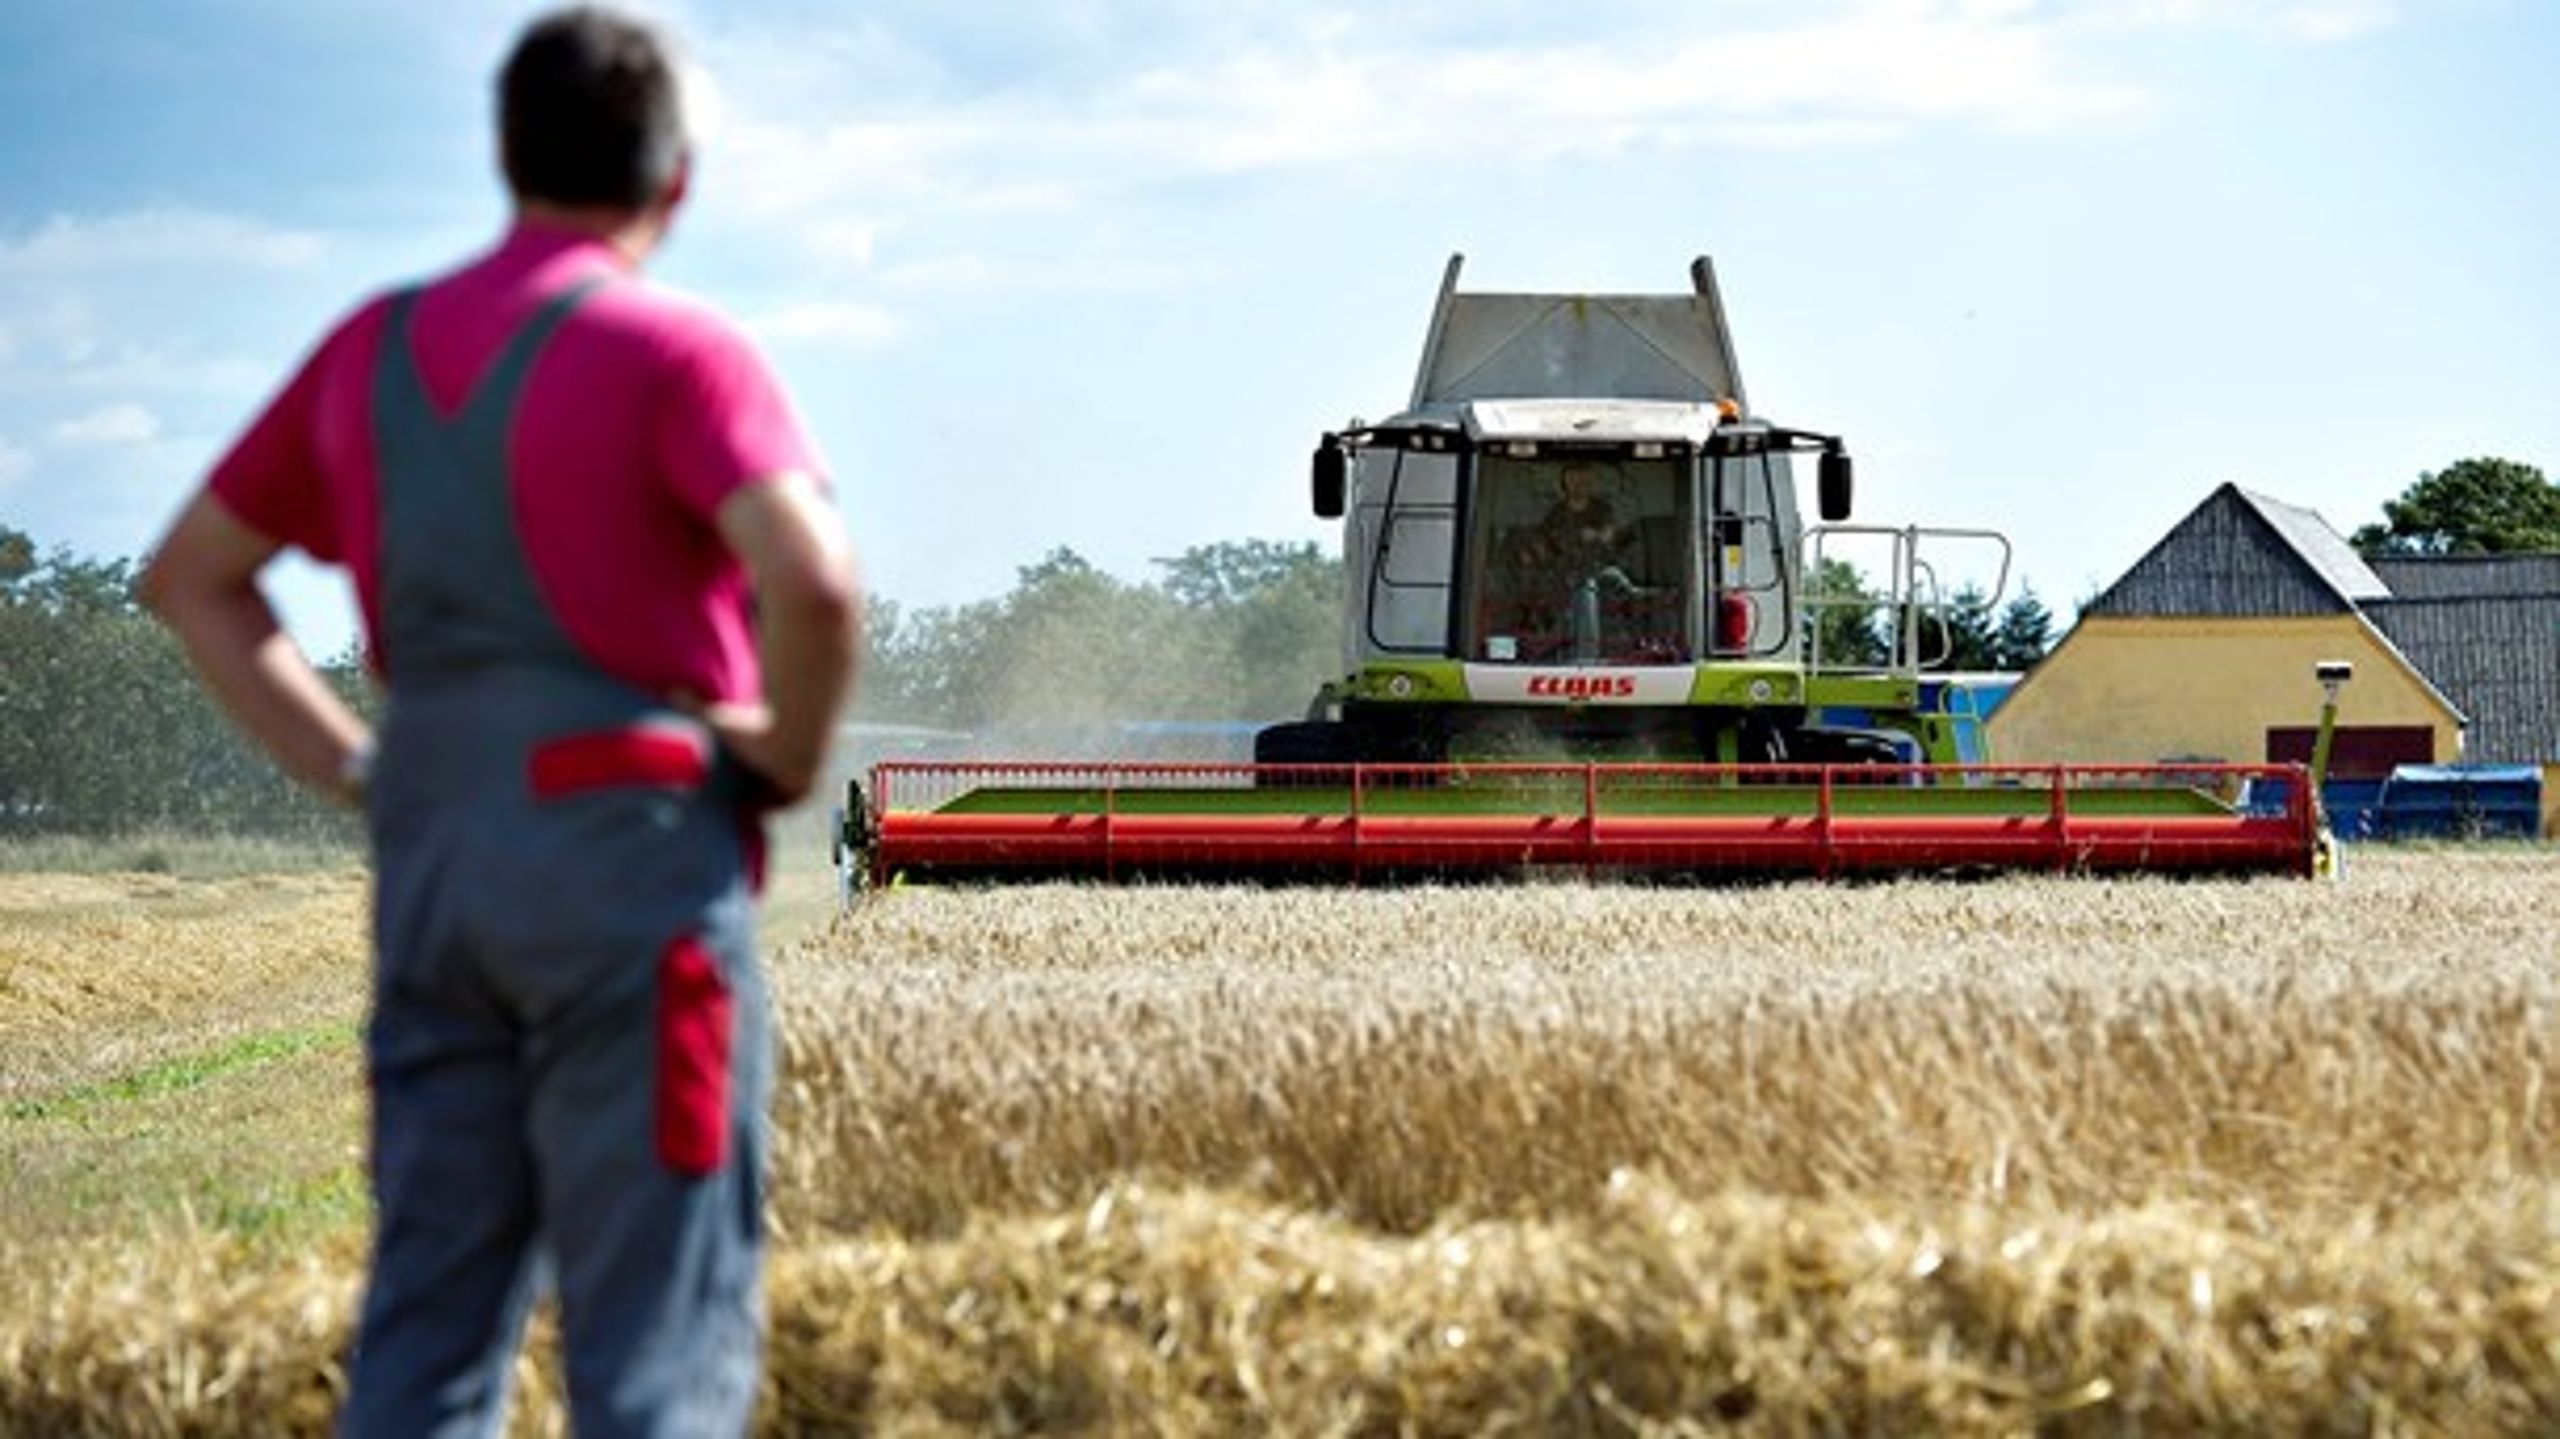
(2421, 577)
(2496, 658)
(2240, 553)
(2320, 546)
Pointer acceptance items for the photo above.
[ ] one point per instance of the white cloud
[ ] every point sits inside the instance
(2335, 20)
(907, 155)
(825, 323)
(982, 274)
(849, 243)
(879, 143)
(138, 338)
(884, 154)
(182, 368)
(90, 243)
(2310, 21)
(1878, 72)
(124, 423)
(15, 464)
(150, 301)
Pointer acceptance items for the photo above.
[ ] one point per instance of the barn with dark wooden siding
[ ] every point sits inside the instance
(2486, 629)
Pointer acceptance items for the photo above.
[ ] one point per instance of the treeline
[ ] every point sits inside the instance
(2011, 639)
(1243, 630)
(103, 729)
(1859, 626)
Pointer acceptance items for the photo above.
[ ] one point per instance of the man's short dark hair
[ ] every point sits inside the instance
(587, 112)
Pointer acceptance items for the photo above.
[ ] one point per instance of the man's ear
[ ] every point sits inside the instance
(679, 185)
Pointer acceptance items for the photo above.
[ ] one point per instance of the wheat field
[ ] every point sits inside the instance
(2068, 1156)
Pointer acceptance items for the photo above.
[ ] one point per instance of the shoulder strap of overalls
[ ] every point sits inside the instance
(457, 591)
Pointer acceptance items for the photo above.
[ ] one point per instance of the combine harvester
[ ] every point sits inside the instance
(1580, 636)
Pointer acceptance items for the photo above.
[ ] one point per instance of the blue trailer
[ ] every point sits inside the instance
(2460, 801)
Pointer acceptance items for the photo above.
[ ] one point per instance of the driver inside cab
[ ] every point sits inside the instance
(1580, 534)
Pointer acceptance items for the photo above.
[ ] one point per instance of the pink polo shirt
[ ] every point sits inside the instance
(643, 413)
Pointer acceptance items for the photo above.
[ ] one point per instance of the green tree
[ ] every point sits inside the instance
(1240, 630)
(103, 727)
(61, 582)
(1842, 614)
(1239, 572)
(1074, 645)
(2024, 633)
(929, 665)
(1270, 621)
(17, 559)
(1859, 628)
(2474, 506)
(1968, 639)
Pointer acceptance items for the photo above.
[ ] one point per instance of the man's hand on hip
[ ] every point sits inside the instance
(746, 732)
(808, 630)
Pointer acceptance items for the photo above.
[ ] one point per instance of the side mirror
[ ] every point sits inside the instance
(1332, 471)
(1832, 485)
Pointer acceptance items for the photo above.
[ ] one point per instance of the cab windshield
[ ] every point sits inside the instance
(1579, 560)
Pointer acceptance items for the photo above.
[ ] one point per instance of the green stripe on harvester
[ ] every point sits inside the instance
(1566, 800)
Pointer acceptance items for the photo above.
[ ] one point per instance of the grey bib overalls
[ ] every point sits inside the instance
(570, 1047)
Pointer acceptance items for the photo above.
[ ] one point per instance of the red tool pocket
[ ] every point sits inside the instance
(694, 1028)
(617, 759)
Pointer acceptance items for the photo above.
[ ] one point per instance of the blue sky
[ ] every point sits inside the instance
(1094, 274)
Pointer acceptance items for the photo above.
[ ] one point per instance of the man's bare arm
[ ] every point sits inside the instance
(808, 628)
(203, 583)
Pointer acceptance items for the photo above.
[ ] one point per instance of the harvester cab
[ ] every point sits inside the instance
(1577, 540)
(1589, 627)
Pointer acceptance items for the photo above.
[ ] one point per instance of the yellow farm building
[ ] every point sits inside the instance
(2205, 648)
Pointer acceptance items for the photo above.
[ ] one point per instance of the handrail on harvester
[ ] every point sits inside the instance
(1114, 819)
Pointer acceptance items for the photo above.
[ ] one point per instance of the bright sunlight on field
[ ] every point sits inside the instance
(2036, 1153)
